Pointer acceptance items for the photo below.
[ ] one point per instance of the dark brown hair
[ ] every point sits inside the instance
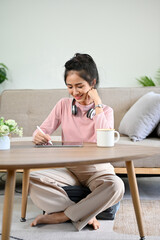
(85, 66)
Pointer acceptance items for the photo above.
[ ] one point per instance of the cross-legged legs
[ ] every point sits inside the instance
(107, 190)
(47, 193)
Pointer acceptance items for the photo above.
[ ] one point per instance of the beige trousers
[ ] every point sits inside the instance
(47, 193)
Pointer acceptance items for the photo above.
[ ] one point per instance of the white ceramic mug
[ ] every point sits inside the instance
(107, 137)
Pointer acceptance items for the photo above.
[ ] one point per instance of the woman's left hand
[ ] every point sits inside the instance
(93, 94)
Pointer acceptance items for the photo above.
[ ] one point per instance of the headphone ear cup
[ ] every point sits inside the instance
(74, 109)
(91, 113)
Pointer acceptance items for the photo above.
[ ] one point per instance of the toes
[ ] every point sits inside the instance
(96, 227)
(33, 224)
(90, 222)
(96, 224)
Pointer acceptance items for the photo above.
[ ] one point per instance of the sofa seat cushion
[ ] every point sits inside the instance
(150, 162)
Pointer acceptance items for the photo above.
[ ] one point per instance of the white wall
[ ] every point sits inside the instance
(38, 36)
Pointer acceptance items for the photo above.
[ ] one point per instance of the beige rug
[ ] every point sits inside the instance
(125, 221)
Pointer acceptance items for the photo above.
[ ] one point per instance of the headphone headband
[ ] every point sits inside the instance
(90, 114)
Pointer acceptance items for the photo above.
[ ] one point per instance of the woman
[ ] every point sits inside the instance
(79, 118)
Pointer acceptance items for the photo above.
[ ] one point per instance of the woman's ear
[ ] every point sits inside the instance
(94, 83)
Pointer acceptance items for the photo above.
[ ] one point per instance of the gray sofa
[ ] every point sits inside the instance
(30, 107)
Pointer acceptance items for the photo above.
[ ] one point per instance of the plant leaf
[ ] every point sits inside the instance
(146, 81)
(2, 64)
(3, 73)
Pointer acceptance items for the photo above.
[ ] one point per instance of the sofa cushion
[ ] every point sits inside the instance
(142, 117)
(150, 162)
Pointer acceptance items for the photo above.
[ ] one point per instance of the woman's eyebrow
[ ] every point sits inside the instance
(68, 84)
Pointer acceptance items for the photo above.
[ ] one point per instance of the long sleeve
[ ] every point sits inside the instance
(104, 119)
(52, 122)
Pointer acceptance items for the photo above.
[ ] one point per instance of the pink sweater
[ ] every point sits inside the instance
(79, 127)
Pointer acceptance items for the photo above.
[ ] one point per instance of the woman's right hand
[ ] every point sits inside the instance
(41, 138)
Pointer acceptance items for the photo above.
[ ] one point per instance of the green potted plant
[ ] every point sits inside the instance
(147, 81)
(3, 72)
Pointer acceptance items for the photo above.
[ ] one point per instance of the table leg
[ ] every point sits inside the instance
(8, 204)
(25, 187)
(135, 197)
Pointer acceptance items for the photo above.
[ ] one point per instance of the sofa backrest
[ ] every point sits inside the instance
(121, 99)
(30, 107)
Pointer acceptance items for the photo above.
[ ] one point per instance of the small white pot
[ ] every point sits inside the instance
(4, 143)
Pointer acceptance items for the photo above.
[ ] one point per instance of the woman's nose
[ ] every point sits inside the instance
(75, 91)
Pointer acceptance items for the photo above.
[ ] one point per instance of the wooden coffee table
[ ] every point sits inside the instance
(24, 155)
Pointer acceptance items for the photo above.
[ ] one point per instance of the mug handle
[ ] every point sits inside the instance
(117, 136)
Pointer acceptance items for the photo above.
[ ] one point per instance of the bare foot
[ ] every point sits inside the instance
(59, 217)
(94, 222)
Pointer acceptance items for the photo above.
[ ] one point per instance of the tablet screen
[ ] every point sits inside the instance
(60, 144)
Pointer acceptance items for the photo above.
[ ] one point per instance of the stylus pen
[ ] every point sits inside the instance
(44, 134)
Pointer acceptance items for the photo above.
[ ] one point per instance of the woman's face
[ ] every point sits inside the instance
(78, 88)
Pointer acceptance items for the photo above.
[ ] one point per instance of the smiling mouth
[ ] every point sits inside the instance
(78, 97)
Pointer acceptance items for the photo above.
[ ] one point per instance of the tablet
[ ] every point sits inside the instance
(60, 144)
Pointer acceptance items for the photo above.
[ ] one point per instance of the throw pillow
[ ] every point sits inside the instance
(142, 117)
